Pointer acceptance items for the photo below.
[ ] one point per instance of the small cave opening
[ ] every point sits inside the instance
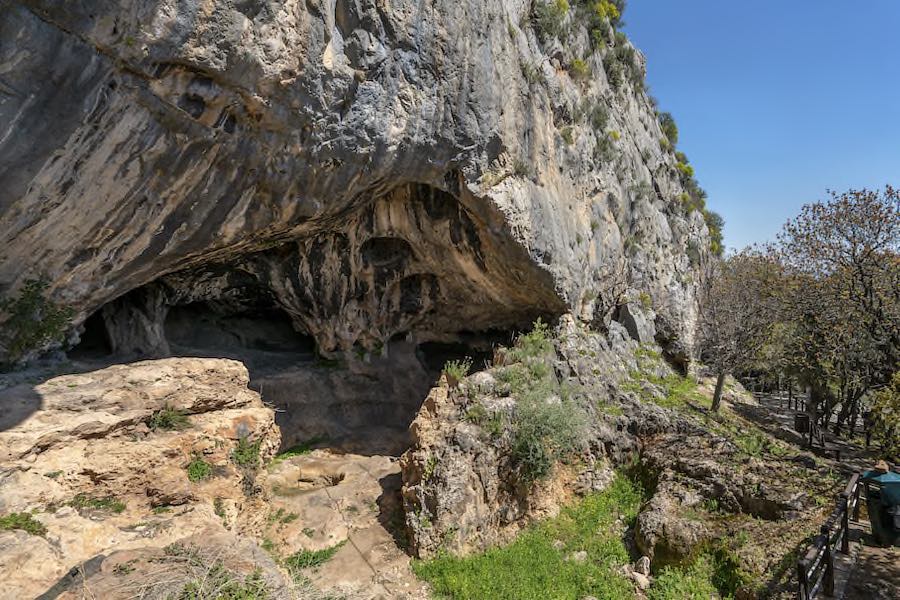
(94, 342)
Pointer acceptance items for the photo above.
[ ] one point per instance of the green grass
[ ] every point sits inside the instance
(168, 418)
(110, 503)
(716, 573)
(198, 469)
(246, 454)
(219, 583)
(531, 568)
(23, 521)
(693, 583)
(308, 559)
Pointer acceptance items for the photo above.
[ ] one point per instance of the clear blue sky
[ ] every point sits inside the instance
(776, 100)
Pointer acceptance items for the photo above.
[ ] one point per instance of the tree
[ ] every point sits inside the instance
(737, 305)
(885, 417)
(842, 298)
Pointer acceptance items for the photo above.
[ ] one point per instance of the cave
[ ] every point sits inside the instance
(344, 329)
(94, 341)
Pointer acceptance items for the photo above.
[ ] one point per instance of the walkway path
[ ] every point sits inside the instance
(868, 571)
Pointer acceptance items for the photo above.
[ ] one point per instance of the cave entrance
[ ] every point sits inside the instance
(263, 336)
(94, 343)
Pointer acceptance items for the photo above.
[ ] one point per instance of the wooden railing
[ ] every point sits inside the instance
(815, 569)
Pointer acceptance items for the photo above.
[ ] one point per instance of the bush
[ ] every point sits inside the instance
(307, 559)
(246, 454)
(198, 469)
(547, 426)
(668, 127)
(168, 418)
(33, 320)
(568, 135)
(23, 521)
(599, 117)
(579, 69)
(456, 370)
(549, 18)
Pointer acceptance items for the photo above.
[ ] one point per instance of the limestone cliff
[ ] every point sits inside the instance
(369, 168)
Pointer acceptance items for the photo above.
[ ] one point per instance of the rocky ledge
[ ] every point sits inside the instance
(110, 468)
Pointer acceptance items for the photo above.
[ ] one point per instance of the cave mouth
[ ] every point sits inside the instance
(360, 401)
(263, 337)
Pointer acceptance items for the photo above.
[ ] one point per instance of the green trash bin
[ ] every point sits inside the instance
(883, 502)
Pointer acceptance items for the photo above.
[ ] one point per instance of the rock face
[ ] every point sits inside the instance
(79, 455)
(369, 169)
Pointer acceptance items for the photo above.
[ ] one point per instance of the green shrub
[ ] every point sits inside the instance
(579, 69)
(307, 559)
(198, 469)
(686, 170)
(599, 117)
(715, 223)
(567, 134)
(549, 18)
(33, 320)
(458, 369)
(246, 454)
(668, 127)
(646, 300)
(110, 503)
(168, 418)
(23, 521)
(547, 425)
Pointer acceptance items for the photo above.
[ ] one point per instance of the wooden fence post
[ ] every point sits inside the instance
(802, 581)
(845, 523)
(828, 558)
(856, 503)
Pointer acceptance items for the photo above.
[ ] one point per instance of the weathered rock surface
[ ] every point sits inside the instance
(369, 169)
(86, 466)
(713, 483)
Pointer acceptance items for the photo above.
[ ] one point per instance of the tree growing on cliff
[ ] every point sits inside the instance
(737, 303)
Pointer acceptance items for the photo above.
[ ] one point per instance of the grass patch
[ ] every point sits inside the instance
(85, 502)
(219, 583)
(298, 450)
(246, 453)
(24, 522)
(532, 568)
(309, 559)
(168, 418)
(198, 469)
(693, 583)
(716, 573)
